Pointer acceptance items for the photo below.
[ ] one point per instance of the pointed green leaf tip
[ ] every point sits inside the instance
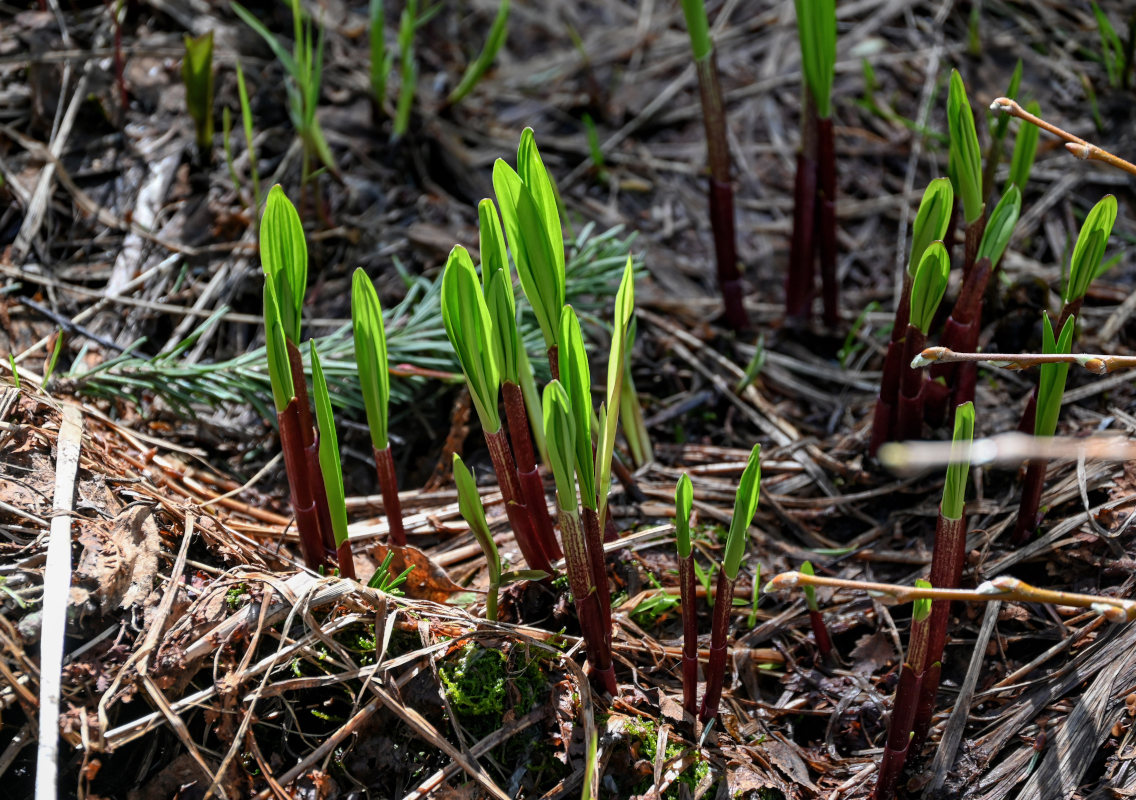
(810, 591)
(1000, 226)
(532, 223)
(329, 462)
(284, 258)
(371, 355)
(964, 149)
(932, 219)
(1051, 382)
(1089, 249)
(954, 490)
(473, 512)
(497, 283)
(922, 608)
(929, 285)
(745, 506)
(560, 435)
(605, 450)
(279, 369)
(816, 28)
(470, 330)
(684, 500)
(1025, 148)
(575, 374)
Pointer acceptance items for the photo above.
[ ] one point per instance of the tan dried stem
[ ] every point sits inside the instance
(1086, 151)
(1096, 363)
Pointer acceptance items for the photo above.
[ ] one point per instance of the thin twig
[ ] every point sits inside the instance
(1096, 363)
(1086, 151)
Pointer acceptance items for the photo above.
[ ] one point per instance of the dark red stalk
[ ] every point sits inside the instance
(319, 494)
(554, 362)
(909, 412)
(826, 217)
(345, 559)
(960, 334)
(597, 636)
(1028, 516)
(687, 594)
(388, 485)
(899, 733)
(800, 278)
(721, 192)
(593, 540)
(532, 487)
(308, 436)
(820, 633)
(884, 420)
(299, 486)
(973, 240)
(716, 664)
(506, 471)
(1029, 413)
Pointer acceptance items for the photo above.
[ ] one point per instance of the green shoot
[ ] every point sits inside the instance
(594, 149)
(922, 605)
(684, 500)
(1000, 226)
(755, 597)
(810, 592)
(408, 69)
(631, 410)
(964, 151)
(745, 506)
(246, 121)
(609, 413)
(331, 466)
(382, 579)
(816, 27)
(929, 285)
(479, 66)
(698, 25)
(470, 330)
(1051, 382)
(1113, 53)
(371, 355)
(15, 370)
(473, 512)
(497, 284)
(197, 75)
(998, 130)
(381, 60)
(1089, 249)
(754, 367)
(575, 375)
(1025, 148)
(560, 434)
(931, 220)
(284, 257)
(954, 490)
(279, 368)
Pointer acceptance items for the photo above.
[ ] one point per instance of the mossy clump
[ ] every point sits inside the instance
(647, 733)
(480, 685)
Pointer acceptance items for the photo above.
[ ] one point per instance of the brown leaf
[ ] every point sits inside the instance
(872, 652)
(427, 581)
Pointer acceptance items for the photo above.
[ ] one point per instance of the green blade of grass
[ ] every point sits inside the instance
(370, 338)
(745, 506)
(330, 464)
(498, 31)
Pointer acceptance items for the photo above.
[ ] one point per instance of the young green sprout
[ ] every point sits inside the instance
(197, 75)
(250, 146)
(381, 59)
(609, 412)
(1050, 390)
(479, 66)
(1025, 149)
(560, 435)
(814, 197)
(374, 378)
(966, 158)
(998, 132)
(331, 466)
(408, 69)
(927, 289)
(532, 223)
(684, 499)
(816, 619)
(631, 410)
(470, 330)
(472, 511)
(745, 506)
(931, 223)
(721, 193)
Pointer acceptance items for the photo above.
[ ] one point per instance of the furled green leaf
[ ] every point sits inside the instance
(954, 490)
(560, 435)
(279, 368)
(284, 258)
(479, 66)
(698, 26)
(932, 219)
(1000, 226)
(534, 175)
(575, 375)
(371, 355)
(929, 285)
(964, 149)
(497, 283)
(197, 75)
(745, 506)
(810, 591)
(1002, 121)
(922, 608)
(816, 28)
(1051, 382)
(605, 450)
(1025, 148)
(470, 330)
(684, 500)
(1089, 249)
(473, 512)
(330, 465)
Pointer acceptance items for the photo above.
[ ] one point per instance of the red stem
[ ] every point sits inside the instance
(820, 633)
(883, 422)
(507, 479)
(593, 540)
(826, 205)
(899, 734)
(299, 486)
(388, 485)
(716, 665)
(973, 240)
(800, 278)
(688, 595)
(1028, 516)
(319, 494)
(597, 636)
(960, 334)
(532, 488)
(554, 362)
(909, 416)
(345, 559)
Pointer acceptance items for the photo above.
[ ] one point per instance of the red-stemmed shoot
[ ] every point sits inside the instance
(1025, 149)
(966, 166)
(721, 192)
(684, 498)
(745, 506)
(816, 619)
(331, 467)
(374, 377)
(927, 289)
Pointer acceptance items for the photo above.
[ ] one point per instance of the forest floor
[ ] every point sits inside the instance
(198, 652)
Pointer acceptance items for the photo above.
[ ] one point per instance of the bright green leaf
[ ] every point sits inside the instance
(284, 258)
(929, 285)
(922, 608)
(1089, 249)
(816, 28)
(330, 465)
(1051, 382)
(964, 149)
(954, 490)
(371, 355)
(470, 330)
(560, 435)
(575, 375)
(1000, 226)
(745, 506)
(1025, 148)
(932, 219)
(684, 500)
(473, 512)
(276, 348)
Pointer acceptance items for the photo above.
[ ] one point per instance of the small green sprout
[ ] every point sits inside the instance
(954, 490)
(816, 27)
(1051, 382)
(931, 220)
(609, 413)
(684, 500)
(384, 581)
(755, 597)
(381, 59)
(473, 512)
(470, 330)
(594, 149)
(1025, 148)
(477, 68)
(1114, 54)
(408, 69)
(964, 151)
(810, 591)
(922, 605)
(197, 75)
(1088, 252)
(330, 464)
(284, 257)
(1000, 226)
(745, 506)
(929, 285)
(15, 370)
